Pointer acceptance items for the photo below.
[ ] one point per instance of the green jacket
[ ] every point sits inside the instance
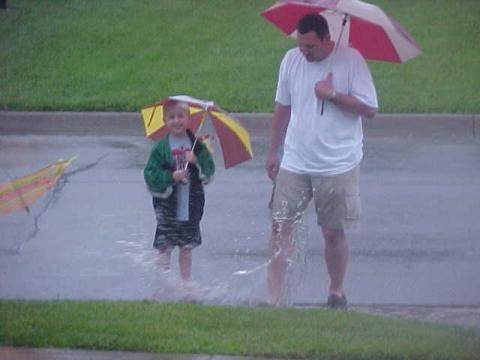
(158, 172)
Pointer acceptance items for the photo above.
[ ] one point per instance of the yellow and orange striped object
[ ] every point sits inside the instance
(20, 193)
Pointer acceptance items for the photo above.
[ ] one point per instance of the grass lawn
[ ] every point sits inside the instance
(123, 54)
(199, 329)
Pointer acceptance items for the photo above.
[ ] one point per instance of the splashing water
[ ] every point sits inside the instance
(296, 266)
(296, 263)
(244, 287)
(240, 288)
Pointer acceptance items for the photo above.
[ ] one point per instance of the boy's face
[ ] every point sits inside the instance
(176, 119)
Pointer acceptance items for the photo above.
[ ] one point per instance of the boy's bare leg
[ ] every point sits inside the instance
(336, 258)
(164, 260)
(279, 249)
(185, 262)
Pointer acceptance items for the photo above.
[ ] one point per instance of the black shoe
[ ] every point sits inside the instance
(337, 302)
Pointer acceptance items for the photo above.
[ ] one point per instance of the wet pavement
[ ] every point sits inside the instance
(416, 253)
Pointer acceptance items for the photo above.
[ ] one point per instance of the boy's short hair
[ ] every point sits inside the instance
(169, 103)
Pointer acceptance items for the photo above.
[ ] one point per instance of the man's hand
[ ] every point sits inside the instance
(325, 91)
(281, 117)
(272, 165)
(324, 88)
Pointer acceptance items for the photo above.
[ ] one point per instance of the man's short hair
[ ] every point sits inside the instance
(313, 22)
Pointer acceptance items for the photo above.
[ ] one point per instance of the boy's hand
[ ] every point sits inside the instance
(190, 156)
(180, 176)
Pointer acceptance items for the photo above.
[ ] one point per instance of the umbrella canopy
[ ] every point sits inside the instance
(234, 139)
(22, 192)
(353, 23)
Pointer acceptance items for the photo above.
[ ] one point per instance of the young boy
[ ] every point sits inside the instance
(175, 174)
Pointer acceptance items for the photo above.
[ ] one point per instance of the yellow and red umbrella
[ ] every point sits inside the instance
(234, 139)
(20, 193)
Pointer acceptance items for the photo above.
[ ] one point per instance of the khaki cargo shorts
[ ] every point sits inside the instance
(336, 198)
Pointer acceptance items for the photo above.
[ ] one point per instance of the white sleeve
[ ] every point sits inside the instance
(363, 87)
(282, 95)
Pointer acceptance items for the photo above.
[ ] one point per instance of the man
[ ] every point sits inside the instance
(322, 95)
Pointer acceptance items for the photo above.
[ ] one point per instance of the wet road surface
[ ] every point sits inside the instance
(90, 238)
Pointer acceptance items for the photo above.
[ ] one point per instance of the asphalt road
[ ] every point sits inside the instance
(90, 238)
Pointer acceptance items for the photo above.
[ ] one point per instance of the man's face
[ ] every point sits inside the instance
(312, 47)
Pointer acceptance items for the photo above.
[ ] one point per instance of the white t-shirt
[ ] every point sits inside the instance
(331, 143)
(178, 146)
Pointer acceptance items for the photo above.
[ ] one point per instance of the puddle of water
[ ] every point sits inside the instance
(242, 287)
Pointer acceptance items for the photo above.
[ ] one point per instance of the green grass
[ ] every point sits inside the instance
(197, 329)
(122, 54)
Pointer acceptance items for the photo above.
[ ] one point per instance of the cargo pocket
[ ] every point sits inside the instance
(352, 196)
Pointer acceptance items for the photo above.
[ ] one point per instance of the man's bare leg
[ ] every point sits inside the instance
(279, 249)
(336, 258)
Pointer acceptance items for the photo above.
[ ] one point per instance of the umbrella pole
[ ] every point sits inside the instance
(344, 22)
(196, 137)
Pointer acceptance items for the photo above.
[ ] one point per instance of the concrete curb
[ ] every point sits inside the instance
(454, 126)
(18, 353)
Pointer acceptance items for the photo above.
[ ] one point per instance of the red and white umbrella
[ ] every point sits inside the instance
(354, 23)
